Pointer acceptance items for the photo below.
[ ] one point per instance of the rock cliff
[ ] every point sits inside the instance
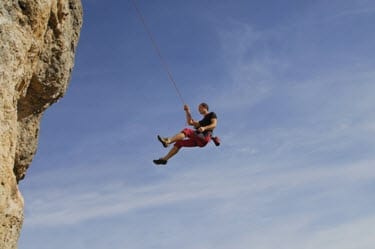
(38, 39)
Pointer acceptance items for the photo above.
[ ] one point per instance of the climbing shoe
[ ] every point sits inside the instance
(163, 141)
(160, 161)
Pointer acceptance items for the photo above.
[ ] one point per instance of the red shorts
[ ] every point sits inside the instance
(194, 139)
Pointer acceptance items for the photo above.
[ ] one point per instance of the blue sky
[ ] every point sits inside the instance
(292, 83)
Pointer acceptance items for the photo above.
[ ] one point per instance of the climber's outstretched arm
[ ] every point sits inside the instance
(189, 119)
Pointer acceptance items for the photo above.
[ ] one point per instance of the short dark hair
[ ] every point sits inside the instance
(205, 105)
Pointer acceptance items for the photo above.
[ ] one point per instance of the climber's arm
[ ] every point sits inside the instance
(189, 118)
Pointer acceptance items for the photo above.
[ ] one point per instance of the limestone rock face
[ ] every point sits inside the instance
(38, 39)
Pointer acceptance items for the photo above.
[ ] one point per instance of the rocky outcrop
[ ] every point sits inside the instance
(38, 39)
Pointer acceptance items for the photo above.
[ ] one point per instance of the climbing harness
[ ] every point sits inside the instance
(157, 49)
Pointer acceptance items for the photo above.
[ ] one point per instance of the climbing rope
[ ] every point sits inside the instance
(157, 49)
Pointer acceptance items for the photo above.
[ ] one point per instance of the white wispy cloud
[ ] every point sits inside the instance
(290, 234)
(66, 206)
(249, 73)
(317, 113)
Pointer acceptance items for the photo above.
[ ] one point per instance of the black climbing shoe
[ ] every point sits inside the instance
(163, 141)
(160, 161)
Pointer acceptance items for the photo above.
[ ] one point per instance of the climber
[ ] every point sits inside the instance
(188, 137)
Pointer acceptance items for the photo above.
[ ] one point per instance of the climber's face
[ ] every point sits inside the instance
(202, 109)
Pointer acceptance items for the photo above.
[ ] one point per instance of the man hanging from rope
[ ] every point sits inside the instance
(188, 137)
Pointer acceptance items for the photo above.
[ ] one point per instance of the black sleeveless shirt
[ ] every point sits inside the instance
(207, 120)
